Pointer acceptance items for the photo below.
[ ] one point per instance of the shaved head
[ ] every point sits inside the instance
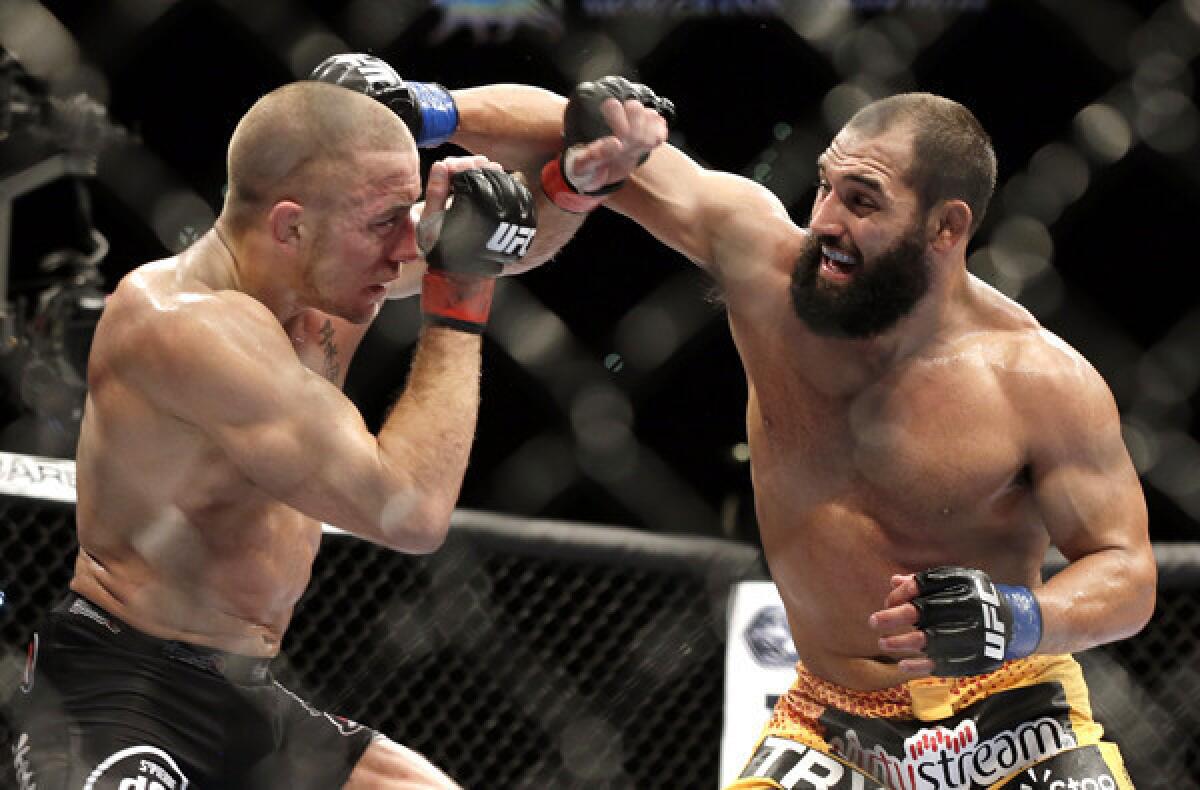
(297, 140)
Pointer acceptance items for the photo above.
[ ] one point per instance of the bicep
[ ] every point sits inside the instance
(287, 429)
(297, 437)
(1085, 484)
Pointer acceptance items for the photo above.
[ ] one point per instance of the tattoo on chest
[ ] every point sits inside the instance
(332, 367)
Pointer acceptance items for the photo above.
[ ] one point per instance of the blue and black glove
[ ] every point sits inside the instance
(426, 108)
(971, 625)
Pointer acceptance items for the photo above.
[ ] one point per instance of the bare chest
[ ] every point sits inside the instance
(924, 447)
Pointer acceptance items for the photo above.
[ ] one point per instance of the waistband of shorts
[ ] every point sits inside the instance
(914, 698)
(220, 663)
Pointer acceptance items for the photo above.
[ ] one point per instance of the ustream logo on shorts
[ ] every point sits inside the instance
(937, 758)
(997, 737)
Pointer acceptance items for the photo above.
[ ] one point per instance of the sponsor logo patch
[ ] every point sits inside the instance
(509, 238)
(1078, 769)
(995, 738)
(795, 766)
(993, 627)
(137, 768)
(769, 639)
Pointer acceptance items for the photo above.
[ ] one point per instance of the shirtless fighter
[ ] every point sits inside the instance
(216, 440)
(917, 442)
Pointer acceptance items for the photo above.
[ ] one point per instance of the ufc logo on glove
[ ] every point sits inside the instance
(510, 238)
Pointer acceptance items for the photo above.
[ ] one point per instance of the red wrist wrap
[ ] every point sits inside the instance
(458, 301)
(555, 185)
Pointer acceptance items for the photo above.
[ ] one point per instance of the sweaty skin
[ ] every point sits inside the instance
(964, 435)
(215, 438)
(183, 534)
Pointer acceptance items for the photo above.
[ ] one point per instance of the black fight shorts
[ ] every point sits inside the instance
(105, 707)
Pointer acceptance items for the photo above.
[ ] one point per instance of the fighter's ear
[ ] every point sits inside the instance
(284, 221)
(950, 225)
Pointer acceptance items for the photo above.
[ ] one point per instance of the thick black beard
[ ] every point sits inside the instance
(884, 289)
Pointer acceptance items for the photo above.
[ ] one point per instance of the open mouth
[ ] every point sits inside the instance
(837, 264)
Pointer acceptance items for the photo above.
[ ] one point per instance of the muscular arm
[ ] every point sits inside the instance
(716, 219)
(723, 222)
(222, 364)
(521, 127)
(1092, 504)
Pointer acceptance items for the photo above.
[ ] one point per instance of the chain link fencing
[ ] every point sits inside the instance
(535, 654)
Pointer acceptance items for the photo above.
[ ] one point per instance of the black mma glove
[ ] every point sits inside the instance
(971, 625)
(491, 222)
(583, 122)
(425, 107)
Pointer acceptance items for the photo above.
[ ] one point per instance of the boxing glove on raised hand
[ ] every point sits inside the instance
(491, 222)
(583, 120)
(426, 108)
(971, 625)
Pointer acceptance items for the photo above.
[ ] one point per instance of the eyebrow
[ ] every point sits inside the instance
(873, 184)
(390, 210)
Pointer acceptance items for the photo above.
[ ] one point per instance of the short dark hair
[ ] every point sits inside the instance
(953, 158)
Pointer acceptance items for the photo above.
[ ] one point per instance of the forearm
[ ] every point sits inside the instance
(520, 127)
(1098, 598)
(428, 435)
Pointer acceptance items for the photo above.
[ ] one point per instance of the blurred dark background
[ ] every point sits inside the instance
(612, 392)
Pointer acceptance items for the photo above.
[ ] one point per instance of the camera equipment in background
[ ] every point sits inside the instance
(47, 318)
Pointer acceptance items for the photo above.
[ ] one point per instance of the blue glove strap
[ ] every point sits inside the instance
(439, 115)
(1026, 620)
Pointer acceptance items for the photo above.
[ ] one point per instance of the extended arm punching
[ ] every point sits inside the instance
(518, 126)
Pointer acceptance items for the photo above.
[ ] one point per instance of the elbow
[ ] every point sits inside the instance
(419, 527)
(430, 534)
(1140, 593)
(1146, 582)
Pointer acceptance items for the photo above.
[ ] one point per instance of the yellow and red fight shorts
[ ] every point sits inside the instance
(1026, 726)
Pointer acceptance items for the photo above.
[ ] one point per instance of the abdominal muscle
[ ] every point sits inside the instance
(831, 574)
(228, 581)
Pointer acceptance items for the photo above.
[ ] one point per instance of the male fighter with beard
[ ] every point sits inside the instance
(908, 422)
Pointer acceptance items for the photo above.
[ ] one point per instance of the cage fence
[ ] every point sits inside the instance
(534, 654)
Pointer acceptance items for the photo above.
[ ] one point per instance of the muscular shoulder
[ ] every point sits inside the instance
(158, 326)
(1058, 398)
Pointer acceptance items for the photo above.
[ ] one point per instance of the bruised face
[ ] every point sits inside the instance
(864, 265)
(363, 235)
